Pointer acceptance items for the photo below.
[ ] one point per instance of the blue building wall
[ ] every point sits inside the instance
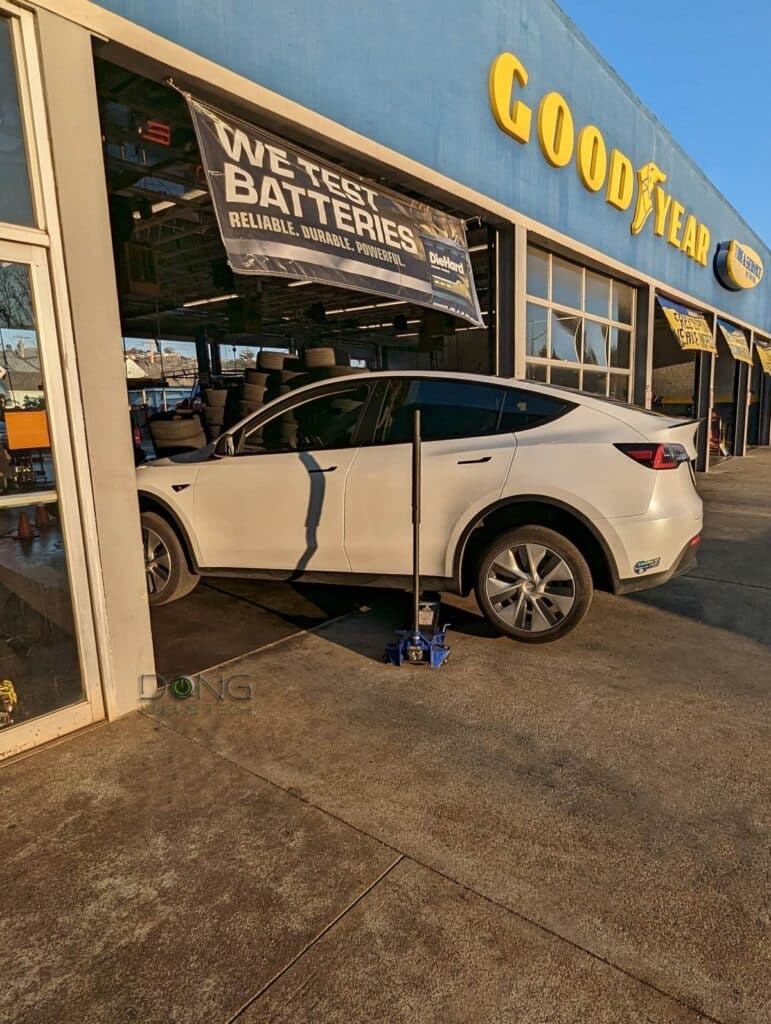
(412, 74)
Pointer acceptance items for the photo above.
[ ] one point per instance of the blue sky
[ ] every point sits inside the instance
(704, 68)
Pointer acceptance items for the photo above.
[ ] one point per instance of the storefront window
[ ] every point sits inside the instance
(580, 317)
(537, 273)
(15, 193)
(566, 284)
(39, 663)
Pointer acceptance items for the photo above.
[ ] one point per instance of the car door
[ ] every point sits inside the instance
(465, 460)
(278, 501)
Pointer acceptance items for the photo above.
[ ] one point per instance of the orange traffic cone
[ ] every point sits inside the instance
(25, 531)
(42, 518)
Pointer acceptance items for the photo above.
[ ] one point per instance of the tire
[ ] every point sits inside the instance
(511, 591)
(168, 577)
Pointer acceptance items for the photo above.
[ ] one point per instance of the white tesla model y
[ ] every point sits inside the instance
(532, 496)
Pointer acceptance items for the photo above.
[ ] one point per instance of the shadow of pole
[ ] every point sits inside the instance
(316, 493)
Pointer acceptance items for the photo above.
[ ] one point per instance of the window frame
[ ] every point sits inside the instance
(560, 310)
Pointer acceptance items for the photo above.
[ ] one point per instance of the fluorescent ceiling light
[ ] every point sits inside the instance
(359, 309)
(194, 193)
(371, 327)
(477, 248)
(208, 302)
(299, 284)
(164, 204)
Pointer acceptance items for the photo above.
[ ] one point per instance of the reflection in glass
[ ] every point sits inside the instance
(621, 304)
(39, 667)
(566, 338)
(564, 377)
(537, 273)
(620, 346)
(15, 195)
(535, 371)
(536, 330)
(566, 284)
(38, 652)
(619, 386)
(597, 294)
(595, 343)
(595, 383)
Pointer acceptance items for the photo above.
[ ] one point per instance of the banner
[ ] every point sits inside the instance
(689, 326)
(283, 211)
(736, 340)
(764, 355)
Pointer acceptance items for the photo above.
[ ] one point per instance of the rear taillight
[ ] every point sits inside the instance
(655, 456)
(137, 437)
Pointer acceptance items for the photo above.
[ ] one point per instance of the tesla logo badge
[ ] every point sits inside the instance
(179, 487)
(645, 564)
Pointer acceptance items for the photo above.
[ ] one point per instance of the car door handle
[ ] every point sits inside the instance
(328, 469)
(471, 462)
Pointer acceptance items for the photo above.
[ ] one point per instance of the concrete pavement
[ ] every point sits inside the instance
(574, 832)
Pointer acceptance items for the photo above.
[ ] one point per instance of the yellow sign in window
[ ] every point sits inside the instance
(689, 326)
(736, 340)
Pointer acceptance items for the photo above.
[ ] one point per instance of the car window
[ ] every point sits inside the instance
(326, 421)
(456, 408)
(448, 408)
(525, 409)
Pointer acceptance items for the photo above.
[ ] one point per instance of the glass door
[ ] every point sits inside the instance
(49, 674)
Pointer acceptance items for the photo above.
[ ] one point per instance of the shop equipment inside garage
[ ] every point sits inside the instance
(190, 324)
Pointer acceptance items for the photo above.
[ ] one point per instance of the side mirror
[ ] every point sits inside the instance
(225, 445)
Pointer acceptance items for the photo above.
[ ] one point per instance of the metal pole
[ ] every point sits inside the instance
(416, 520)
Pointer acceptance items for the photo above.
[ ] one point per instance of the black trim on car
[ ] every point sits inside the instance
(146, 502)
(539, 499)
(684, 563)
(387, 581)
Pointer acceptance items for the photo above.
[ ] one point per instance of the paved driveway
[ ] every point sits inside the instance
(569, 833)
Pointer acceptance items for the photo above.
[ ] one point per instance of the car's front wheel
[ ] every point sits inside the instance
(166, 569)
(533, 584)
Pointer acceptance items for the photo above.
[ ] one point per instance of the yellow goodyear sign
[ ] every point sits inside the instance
(599, 168)
(738, 266)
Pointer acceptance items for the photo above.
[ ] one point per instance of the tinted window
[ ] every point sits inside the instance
(15, 196)
(448, 408)
(524, 409)
(329, 421)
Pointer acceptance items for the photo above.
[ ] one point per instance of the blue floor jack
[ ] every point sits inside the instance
(425, 642)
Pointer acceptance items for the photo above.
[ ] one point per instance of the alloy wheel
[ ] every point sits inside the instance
(157, 561)
(530, 587)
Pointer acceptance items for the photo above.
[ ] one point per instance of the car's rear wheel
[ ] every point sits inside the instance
(533, 584)
(166, 571)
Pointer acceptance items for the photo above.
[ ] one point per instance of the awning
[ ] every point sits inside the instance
(764, 355)
(736, 340)
(689, 326)
(284, 211)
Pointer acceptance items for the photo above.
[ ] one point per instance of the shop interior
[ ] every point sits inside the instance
(724, 403)
(674, 371)
(759, 408)
(204, 347)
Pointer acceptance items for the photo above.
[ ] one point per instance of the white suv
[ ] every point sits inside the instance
(532, 495)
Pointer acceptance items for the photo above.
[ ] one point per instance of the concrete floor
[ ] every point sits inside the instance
(572, 833)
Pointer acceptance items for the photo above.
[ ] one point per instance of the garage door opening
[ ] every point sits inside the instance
(203, 347)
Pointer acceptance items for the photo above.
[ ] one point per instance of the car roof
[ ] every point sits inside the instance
(621, 411)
